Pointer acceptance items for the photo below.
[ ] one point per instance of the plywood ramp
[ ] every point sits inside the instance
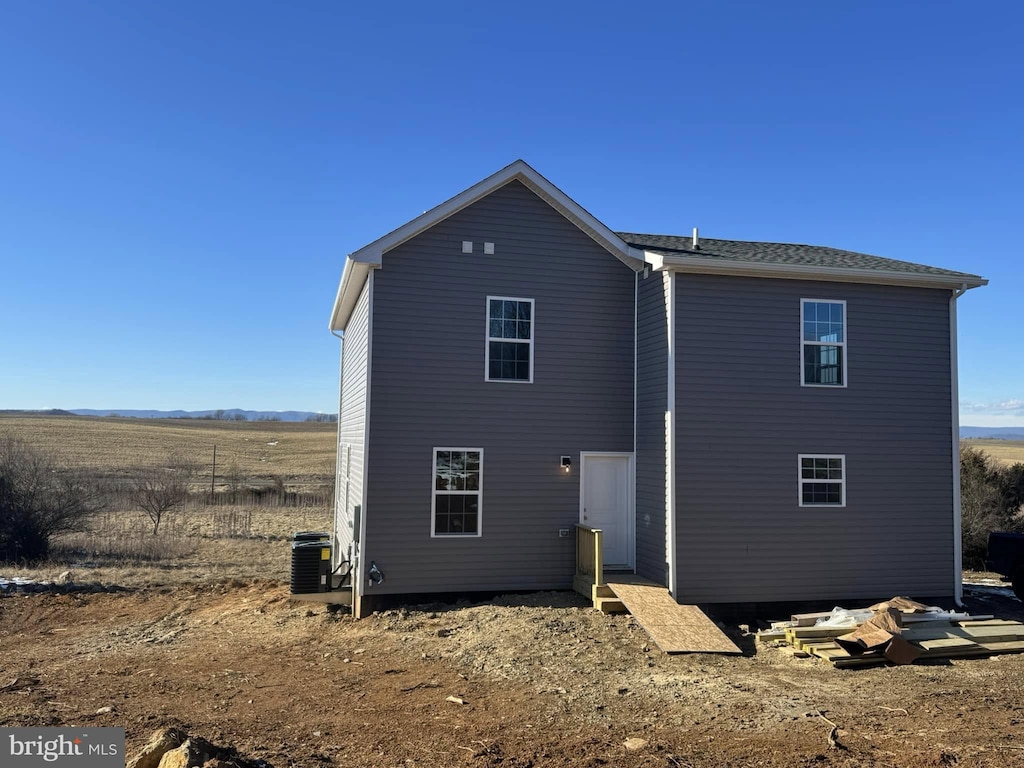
(674, 628)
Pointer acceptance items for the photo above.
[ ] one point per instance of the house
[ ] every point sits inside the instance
(744, 422)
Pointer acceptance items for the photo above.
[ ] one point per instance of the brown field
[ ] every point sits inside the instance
(199, 542)
(1004, 451)
(114, 446)
(206, 638)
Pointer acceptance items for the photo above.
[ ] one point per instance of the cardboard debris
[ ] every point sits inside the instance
(873, 634)
(899, 651)
(902, 604)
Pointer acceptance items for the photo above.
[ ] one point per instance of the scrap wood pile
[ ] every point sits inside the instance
(898, 631)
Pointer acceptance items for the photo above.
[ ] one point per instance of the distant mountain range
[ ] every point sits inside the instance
(226, 414)
(1000, 433)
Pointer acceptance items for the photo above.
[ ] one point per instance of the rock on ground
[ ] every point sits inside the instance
(160, 743)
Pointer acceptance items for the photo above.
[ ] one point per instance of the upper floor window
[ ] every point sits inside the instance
(509, 355)
(822, 343)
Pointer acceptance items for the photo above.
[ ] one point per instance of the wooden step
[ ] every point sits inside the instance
(609, 605)
(602, 590)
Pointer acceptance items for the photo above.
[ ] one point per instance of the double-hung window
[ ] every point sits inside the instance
(822, 343)
(509, 354)
(458, 491)
(822, 480)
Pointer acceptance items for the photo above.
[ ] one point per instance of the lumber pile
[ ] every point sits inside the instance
(898, 631)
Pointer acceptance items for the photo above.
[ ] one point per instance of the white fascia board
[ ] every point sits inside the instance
(353, 277)
(372, 255)
(656, 261)
(706, 266)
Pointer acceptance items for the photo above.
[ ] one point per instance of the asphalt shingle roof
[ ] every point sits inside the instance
(778, 253)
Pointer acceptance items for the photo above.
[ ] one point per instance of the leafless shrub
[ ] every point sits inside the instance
(39, 498)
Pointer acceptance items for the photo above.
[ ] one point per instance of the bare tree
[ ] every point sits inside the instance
(39, 498)
(235, 480)
(159, 491)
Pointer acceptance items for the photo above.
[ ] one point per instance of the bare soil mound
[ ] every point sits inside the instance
(517, 682)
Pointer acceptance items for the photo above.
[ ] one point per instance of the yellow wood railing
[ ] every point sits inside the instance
(589, 563)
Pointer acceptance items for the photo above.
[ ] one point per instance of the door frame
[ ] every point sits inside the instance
(630, 494)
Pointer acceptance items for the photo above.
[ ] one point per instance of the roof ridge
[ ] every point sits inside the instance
(702, 238)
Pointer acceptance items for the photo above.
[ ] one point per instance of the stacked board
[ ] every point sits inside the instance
(941, 639)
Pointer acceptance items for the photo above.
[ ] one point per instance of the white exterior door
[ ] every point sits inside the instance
(606, 502)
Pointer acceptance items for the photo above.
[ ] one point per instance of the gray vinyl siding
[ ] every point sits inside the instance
(742, 419)
(351, 423)
(428, 390)
(652, 401)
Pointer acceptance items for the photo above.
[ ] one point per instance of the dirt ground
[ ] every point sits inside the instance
(544, 681)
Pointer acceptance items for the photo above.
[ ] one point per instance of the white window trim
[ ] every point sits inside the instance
(800, 480)
(479, 493)
(843, 343)
(488, 339)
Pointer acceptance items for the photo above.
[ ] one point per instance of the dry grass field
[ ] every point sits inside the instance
(1004, 451)
(114, 446)
(199, 542)
(200, 545)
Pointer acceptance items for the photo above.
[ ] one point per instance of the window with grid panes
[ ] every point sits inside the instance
(456, 504)
(823, 343)
(509, 355)
(822, 480)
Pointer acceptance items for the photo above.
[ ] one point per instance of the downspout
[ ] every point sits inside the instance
(670, 434)
(958, 575)
(636, 392)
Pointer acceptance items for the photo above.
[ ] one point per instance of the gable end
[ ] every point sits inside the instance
(358, 263)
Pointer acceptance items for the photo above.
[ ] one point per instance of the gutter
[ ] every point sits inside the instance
(958, 566)
(711, 266)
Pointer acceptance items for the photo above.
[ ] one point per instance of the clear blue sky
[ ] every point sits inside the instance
(180, 182)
